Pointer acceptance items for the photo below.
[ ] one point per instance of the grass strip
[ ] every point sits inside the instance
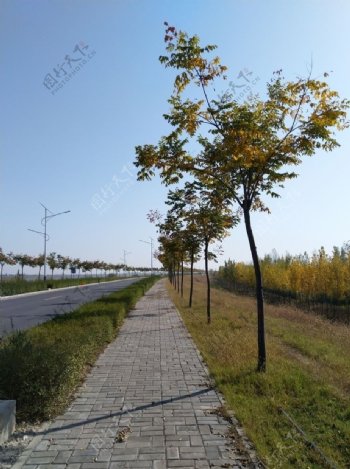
(307, 378)
(16, 286)
(41, 367)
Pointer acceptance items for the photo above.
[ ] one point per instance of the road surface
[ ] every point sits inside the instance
(25, 311)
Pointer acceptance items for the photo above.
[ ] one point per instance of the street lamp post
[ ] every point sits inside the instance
(151, 244)
(46, 236)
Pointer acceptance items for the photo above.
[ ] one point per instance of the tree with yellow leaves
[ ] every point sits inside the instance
(249, 148)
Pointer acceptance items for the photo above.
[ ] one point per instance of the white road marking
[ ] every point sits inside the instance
(52, 298)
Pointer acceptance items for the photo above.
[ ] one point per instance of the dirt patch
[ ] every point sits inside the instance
(19, 441)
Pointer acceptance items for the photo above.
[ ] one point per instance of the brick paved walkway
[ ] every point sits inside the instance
(147, 403)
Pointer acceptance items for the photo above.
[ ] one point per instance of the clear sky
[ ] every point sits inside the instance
(72, 148)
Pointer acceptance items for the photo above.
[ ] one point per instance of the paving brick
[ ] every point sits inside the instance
(43, 454)
(51, 466)
(40, 460)
(123, 457)
(95, 465)
(172, 453)
(181, 463)
(152, 457)
(62, 457)
(159, 465)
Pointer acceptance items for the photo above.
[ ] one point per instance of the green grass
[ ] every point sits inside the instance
(308, 376)
(15, 286)
(41, 368)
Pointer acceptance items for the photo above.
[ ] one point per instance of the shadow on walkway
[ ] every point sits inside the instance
(124, 412)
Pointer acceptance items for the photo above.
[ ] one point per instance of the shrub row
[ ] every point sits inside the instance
(41, 367)
(15, 286)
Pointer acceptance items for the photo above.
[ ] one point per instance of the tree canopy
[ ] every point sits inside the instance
(247, 149)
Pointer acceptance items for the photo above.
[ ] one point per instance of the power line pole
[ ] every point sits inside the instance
(151, 244)
(125, 253)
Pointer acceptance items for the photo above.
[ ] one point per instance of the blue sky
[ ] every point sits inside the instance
(73, 150)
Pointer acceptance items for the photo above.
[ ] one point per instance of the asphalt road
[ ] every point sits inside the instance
(25, 311)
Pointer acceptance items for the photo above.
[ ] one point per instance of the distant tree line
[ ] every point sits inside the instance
(320, 275)
(63, 263)
(320, 282)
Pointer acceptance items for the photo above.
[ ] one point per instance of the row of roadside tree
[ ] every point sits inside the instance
(229, 153)
(56, 262)
(63, 264)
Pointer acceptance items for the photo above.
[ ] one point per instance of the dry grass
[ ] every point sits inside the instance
(308, 375)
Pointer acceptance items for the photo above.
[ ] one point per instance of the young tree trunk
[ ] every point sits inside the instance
(22, 271)
(259, 294)
(182, 279)
(39, 272)
(171, 274)
(178, 277)
(2, 268)
(52, 274)
(191, 286)
(206, 245)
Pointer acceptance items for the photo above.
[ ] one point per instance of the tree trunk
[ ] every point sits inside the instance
(52, 274)
(191, 287)
(259, 294)
(208, 279)
(39, 272)
(182, 279)
(178, 277)
(2, 268)
(22, 272)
